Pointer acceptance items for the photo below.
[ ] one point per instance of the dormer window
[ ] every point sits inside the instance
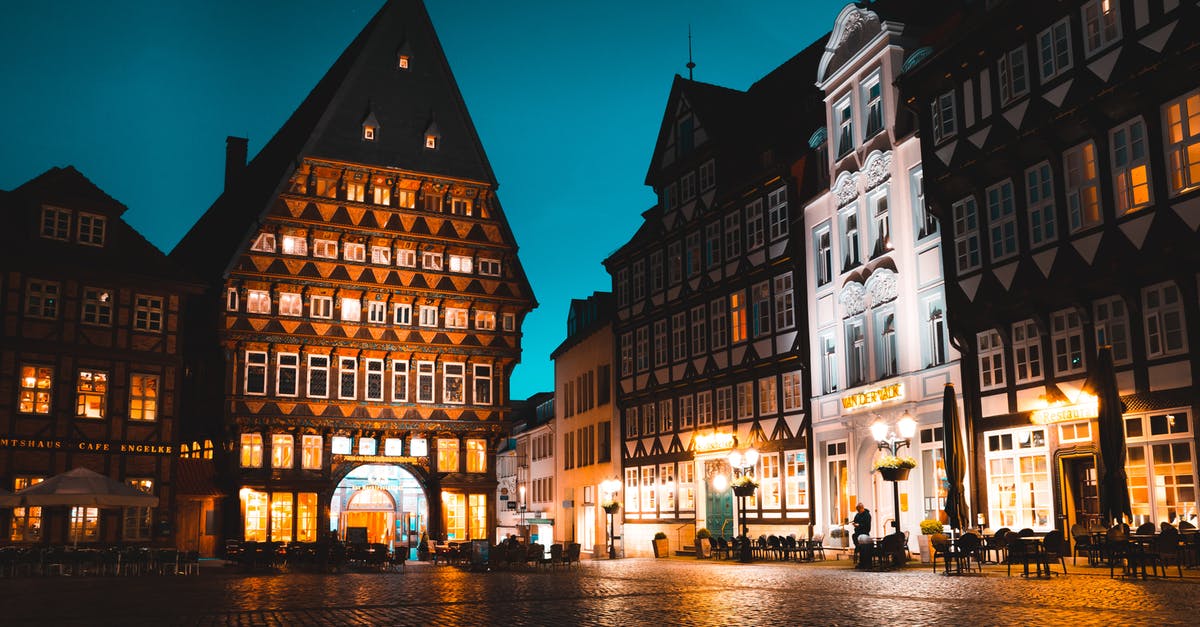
(56, 223)
(402, 62)
(265, 243)
(91, 229)
(370, 128)
(431, 141)
(369, 133)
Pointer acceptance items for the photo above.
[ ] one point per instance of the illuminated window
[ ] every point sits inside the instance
(402, 62)
(829, 366)
(256, 515)
(351, 309)
(56, 223)
(91, 394)
(456, 318)
(485, 320)
(347, 378)
(649, 490)
(294, 245)
(455, 506)
(769, 488)
(383, 194)
(406, 198)
(393, 447)
(355, 192)
(477, 506)
(431, 141)
(252, 450)
(318, 376)
(36, 385)
(325, 248)
(264, 243)
(381, 255)
(91, 229)
(447, 455)
(231, 299)
(290, 304)
(631, 490)
(737, 316)
(320, 306)
(1131, 167)
(1101, 25)
(1018, 479)
(1161, 466)
(476, 455)
(306, 517)
(796, 480)
(460, 263)
(687, 487)
(1182, 119)
(256, 372)
(143, 397)
(367, 446)
(258, 301)
(460, 206)
(768, 402)
(97, 306)
(354, 251)
(26, 525)
(281, 516)
(41, 299)
(340, 445)
(85, 525)
(310, 452)
(1083, 191)
(369, 133)
(431, 260)
(282, 451)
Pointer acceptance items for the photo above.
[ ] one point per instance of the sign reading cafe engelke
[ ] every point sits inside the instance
(88, 446)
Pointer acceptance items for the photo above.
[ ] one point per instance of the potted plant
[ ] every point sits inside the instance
(893, 468)
(929, 527)
(611, 507)
(703, 543)
(661, 548)
(423, 548)
(744, 485)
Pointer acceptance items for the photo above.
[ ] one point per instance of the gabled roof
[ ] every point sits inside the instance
(364, 80)
(716, 108)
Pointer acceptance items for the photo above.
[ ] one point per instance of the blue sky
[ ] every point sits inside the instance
(567, 98)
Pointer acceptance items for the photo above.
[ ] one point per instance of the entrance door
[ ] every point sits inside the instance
(1080, 491)
(718, 503)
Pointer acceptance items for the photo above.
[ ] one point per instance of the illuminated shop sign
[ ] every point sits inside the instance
(88, 446)
(715, 442)
(1065, 413)
(867, 398)
(382, 459)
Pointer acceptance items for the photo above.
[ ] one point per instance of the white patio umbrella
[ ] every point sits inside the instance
(82, 488)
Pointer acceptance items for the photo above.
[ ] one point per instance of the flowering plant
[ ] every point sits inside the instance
(891, 461)
(744, 481)
(611, 507)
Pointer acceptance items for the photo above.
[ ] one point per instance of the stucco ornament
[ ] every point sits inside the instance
(853, 299)
(878, 168)
(846, 189)
(882, 287)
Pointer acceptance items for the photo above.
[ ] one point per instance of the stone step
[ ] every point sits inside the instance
(687, 551)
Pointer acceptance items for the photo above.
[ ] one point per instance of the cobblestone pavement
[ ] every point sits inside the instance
(621, 592)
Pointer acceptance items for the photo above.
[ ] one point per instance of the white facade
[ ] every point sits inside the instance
(876, 303)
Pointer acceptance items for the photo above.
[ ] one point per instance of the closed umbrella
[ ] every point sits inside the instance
(1114, 485)
(955, 460)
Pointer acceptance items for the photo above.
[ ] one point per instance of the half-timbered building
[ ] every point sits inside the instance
(367, 302)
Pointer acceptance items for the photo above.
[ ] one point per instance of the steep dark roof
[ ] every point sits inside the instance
(587, 315)
(718, 109)
(364, 81)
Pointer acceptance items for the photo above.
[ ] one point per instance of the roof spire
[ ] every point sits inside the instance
(690, 65)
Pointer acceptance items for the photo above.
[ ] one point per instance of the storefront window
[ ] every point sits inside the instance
(769, 481)
(281, 517)
(26, 521)
(666, 477)
(447, 459)
(1019, 493)
(933, 471)
(648, 491)
(839, 482)
(687, 486)
(306, 517)
(478, 507)
(797, 482)
(85, 524)
(1161, 467)
(137, 520)
(256, 516)
(456, 516)
(631, 489)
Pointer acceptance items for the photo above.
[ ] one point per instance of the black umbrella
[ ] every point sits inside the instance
(955, 460)
(1114, 486)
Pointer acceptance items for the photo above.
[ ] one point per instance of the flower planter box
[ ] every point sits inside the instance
(661, 548)
(703, 548)
(923, 547)
(894, 474)
(744, 490)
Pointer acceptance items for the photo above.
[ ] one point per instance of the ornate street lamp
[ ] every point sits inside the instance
(744, 485)
(887, 439)
(611, 487)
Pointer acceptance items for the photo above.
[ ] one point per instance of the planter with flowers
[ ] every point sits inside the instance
(661, 547)
(611, 507)
(929, 527)
(744, 486)
(893, 468)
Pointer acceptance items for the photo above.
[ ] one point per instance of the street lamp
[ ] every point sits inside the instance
(743, 463)
(887, 439)
(610, 504)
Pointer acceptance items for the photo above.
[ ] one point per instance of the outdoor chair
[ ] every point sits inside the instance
(816, 546)
(1083, 544)
(1019, 553)
(939, 543)
(965, 550)
(572, 554)
(1116, 547)
(1167, 549)
(775, 547)
(534, 554)
(556, 556)
(1026, 533)
(1146, 529)
(890, 552)
(1054, 548)
(759, 549)
(721, 549)
(998, 544)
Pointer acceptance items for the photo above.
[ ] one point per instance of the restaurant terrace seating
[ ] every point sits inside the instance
(1054, 548)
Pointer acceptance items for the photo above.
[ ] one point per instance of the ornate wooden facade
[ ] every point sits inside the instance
(372, 312)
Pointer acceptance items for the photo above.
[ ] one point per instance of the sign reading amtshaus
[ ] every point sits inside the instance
(89, 446)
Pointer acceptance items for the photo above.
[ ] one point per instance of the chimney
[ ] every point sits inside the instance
(235, 158)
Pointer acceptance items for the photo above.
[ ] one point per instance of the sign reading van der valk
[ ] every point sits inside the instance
(88, 446)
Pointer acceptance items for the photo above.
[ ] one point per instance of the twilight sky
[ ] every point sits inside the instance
(567, 97)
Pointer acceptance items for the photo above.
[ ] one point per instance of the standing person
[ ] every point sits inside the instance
(862, 527)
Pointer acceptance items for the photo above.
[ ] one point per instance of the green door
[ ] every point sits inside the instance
(718, 505)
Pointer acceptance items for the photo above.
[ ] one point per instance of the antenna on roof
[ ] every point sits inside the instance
(690, 65)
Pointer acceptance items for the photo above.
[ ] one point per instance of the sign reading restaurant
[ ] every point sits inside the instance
(88, 446)
(1066, 413)
(875, 396)
(714, 442)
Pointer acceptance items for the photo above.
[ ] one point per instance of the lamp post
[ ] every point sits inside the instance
(610, 488)
(887, 439)
(743, 463)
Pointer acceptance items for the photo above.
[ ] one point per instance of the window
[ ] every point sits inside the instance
(699, 335)
(482, 379)
(704, 415)
(231, 300)
(671, 196)
(785, 308)
(793, 391)
(290, 304)
(737, 317)
(26, 521)
(881, 225)
(460, 206)
(294, 245)
(733, 235)
(456, 318)
(693, 254)
(823, 254)
(91, 229)
(287, 374)
(642, 352)
(856, 352)
(687, 487)
(97, 306)
(320, 306)
(966, 234)
(381, 255)
(1182, 119)
(1013, 75)
(927, 223)
(56, 223)
(489, 267)
(310, 452)
(347, 378)
(354, 251)
(461, 264)
(687, 412)
(991, 360)
(355, 192)
(1112, 327)
(934, 349)
(829, 367)
(406, 257)
(777, 213)
(754, 225)
(1101, 25)
(351, 309)
(1027, 351)
(639, 280)
(674, 263)
(603, 383)
(622, 287)
(796, 480)
(760, 310)
(649, 490)
(431, 260)
(712, 244)
(687, 187)
(382, 194)
(1067, 339)
(886, 357)
(945, 125)
(656, 272)
(399, 380)
(1161, 467)
(402, 314)
(282, 451)
(1039, 200)
(41, 299)
(258, 301)
(143, 396)
(428, 317)
(843, 116)
(447, 455)
(406, 198)
(850, 251)
(1163, 311)
(425, 382)
(745, 400)
(649, 419)
(1054, 49)
(1131, 168)
(626, 354)
(724, 407)
(1002, 221)
(872, 105)
(374, 391)
(508, 322)
(252, 450)
(708, 175)
(256, 373)
(340, 445)
(36, 389)
(318, 376)
(631, 422)
(768, 403)
(1083, 196)
(679, 344)
(839, 489)
(718, 323)
(137, 521)
(393, 447)
(476, 455)
(1018, 479)
(485, 320)
(325, 248)
(265, 243)
(452, 383)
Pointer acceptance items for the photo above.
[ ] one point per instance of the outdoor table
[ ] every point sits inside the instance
(988, 546)
(875, 545)
(1034, 550)
(1139, 544)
